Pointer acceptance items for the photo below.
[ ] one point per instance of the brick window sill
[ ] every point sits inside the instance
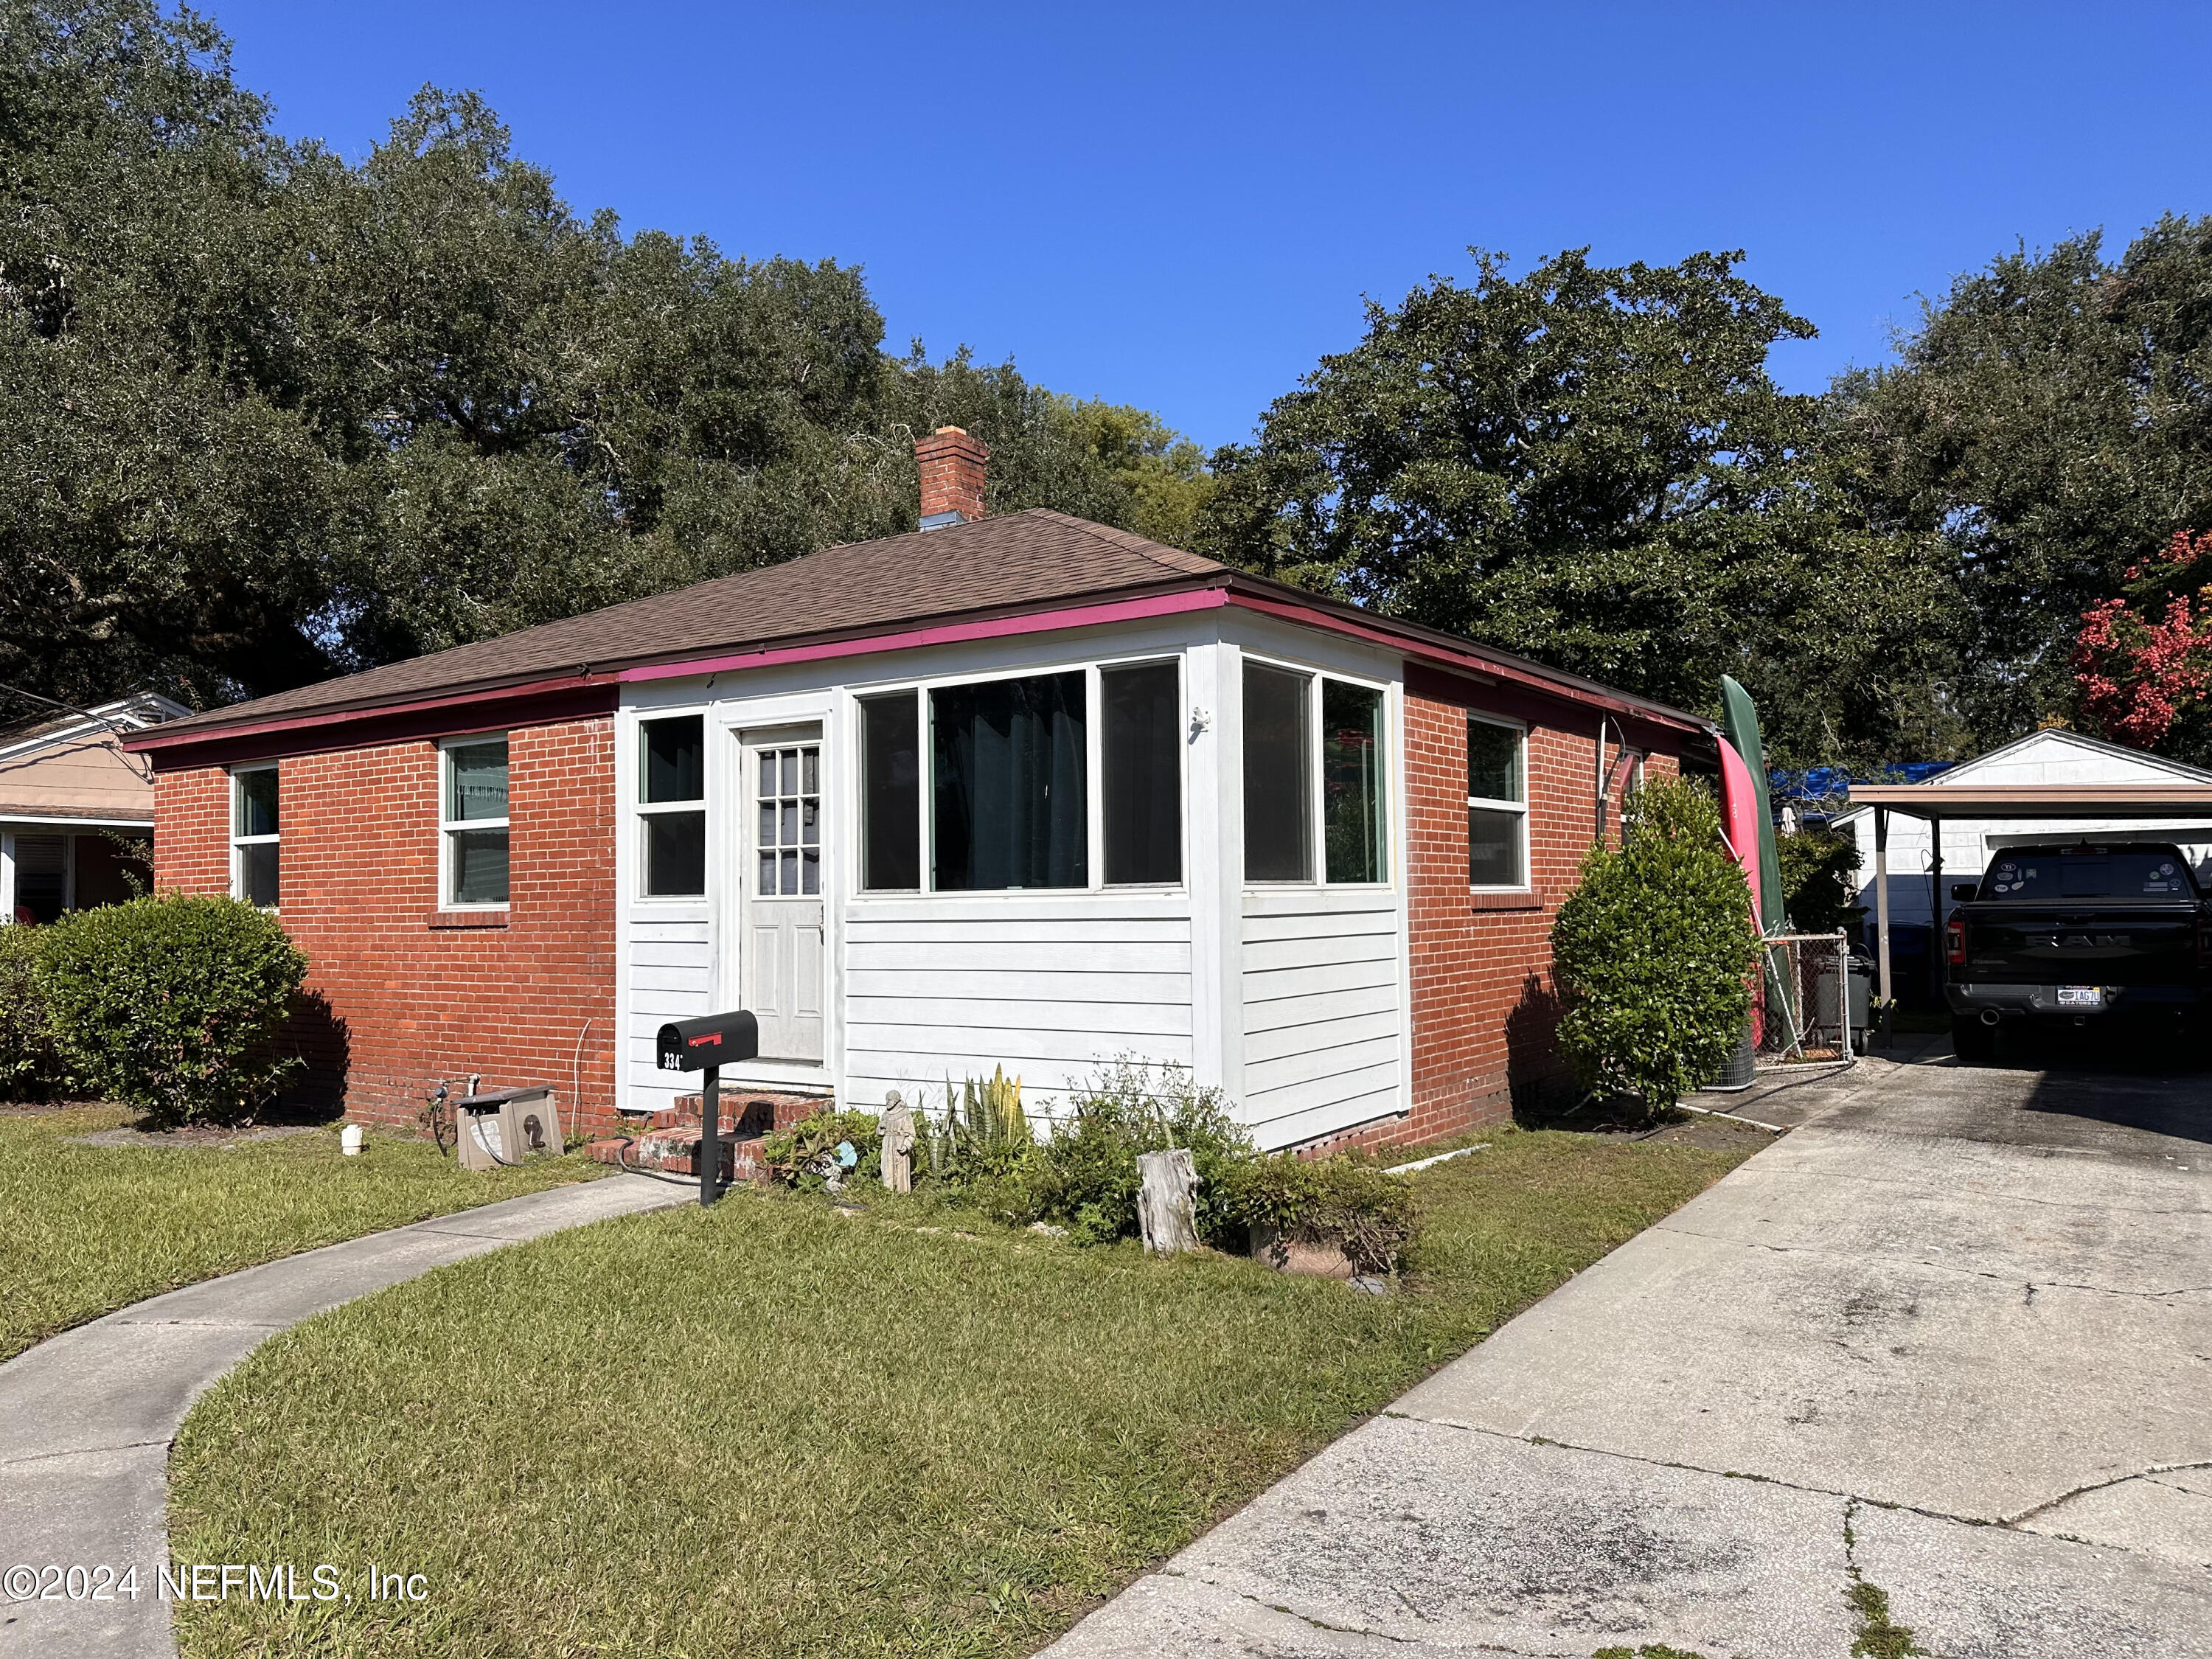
(467, 919)
(1529, 901)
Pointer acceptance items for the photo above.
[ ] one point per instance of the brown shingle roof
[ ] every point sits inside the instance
(1022, 561)
(1016, 563)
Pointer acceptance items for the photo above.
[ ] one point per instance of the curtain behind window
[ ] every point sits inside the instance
(1009, 807)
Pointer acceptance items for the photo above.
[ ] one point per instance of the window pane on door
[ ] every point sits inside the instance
(1142, 742)
(1277, 803)
(1010, 803)
(675, 758)
(890, 792)
(479, 864)
(675, 854)
(788, 821)
(1352, 748)
(1494, 849)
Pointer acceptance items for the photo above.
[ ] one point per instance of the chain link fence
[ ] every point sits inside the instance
(1806, 1012)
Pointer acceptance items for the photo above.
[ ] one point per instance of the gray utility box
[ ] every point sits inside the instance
(507, 1126)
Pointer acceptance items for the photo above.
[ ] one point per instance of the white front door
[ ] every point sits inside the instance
(780, 952)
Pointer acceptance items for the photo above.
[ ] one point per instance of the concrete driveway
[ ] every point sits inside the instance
(1939, 1360)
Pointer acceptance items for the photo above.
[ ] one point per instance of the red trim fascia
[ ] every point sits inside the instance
(1467, 663)
(541, 704)
(993, 628)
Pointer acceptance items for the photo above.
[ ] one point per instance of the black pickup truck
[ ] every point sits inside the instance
(2108, 933)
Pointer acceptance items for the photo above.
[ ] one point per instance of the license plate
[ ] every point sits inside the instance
(2081, 996)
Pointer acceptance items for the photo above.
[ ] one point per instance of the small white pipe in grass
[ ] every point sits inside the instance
(350, 1140)
(1441, 1157)
(1733, 1117)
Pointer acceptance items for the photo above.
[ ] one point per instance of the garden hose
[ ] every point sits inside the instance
(623, 1142)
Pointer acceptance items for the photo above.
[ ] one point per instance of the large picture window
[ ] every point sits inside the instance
(890, 792)
(1496, 805)
(1278, 774)
(672, 805)
(1010, 800)
(475, 826)
(1141, 747)
(254, 836)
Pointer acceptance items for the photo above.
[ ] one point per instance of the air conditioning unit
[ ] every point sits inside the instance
(506, 1127)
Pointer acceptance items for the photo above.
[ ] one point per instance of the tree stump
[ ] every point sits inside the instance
(899, 1145)
(1165, 1209)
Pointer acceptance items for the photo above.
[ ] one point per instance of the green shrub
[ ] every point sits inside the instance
(1090, 1177)
(1653, 952)
(172, 1005)
(30, 1066)
(1346, 1201)
(806, 1155)
(1817, 867)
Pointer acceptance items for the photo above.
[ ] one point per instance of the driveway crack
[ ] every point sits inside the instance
(2099, 1485)
(1921, 1261)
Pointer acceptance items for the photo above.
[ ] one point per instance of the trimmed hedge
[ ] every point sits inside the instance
(1654, 952)
(30, 1063)
(172, 1005)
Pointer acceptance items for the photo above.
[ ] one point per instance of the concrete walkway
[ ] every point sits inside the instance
(86, 1417)
(1951, 1341)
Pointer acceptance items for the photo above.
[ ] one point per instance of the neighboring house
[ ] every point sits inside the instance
(72, 805)
(2042, 758)
(1020, 791)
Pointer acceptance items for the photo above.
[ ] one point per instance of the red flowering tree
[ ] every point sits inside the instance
(2143, 662)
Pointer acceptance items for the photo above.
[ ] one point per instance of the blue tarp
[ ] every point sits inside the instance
(1826, 789)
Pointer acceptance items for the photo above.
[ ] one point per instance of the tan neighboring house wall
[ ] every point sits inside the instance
(67, 792)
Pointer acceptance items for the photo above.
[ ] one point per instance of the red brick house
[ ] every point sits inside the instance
(1023, 791)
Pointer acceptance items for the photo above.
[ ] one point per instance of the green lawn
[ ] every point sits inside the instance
(90, 1229)
(771, 1429)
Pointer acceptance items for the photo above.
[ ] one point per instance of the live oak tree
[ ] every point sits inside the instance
(1593, 466)
(266, 414)
(2050, 419)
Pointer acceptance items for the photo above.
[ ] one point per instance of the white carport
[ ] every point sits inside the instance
(2112, 806)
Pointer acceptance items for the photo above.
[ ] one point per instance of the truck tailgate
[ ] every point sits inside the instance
(2105, 942)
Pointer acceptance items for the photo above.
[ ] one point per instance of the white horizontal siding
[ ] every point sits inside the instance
(671, 975)
(1323, 1013)
(1051, 991)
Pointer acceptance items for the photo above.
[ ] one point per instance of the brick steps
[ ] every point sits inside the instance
(668, 1140)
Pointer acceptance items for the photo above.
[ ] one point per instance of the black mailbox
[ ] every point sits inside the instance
(694, 1045)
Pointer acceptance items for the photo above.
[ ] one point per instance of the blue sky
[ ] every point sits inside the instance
(1181, 207)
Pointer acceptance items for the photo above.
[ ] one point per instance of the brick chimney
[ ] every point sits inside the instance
(951, 466)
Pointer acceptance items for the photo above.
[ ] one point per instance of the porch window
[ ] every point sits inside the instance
(1142, 785)
(474, 829)
(1278, 774)
(253, 836)
(672, 805)
(1496, 805)
(1351, 749)
(1009, 789)
(42, 878)
(890, 792)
